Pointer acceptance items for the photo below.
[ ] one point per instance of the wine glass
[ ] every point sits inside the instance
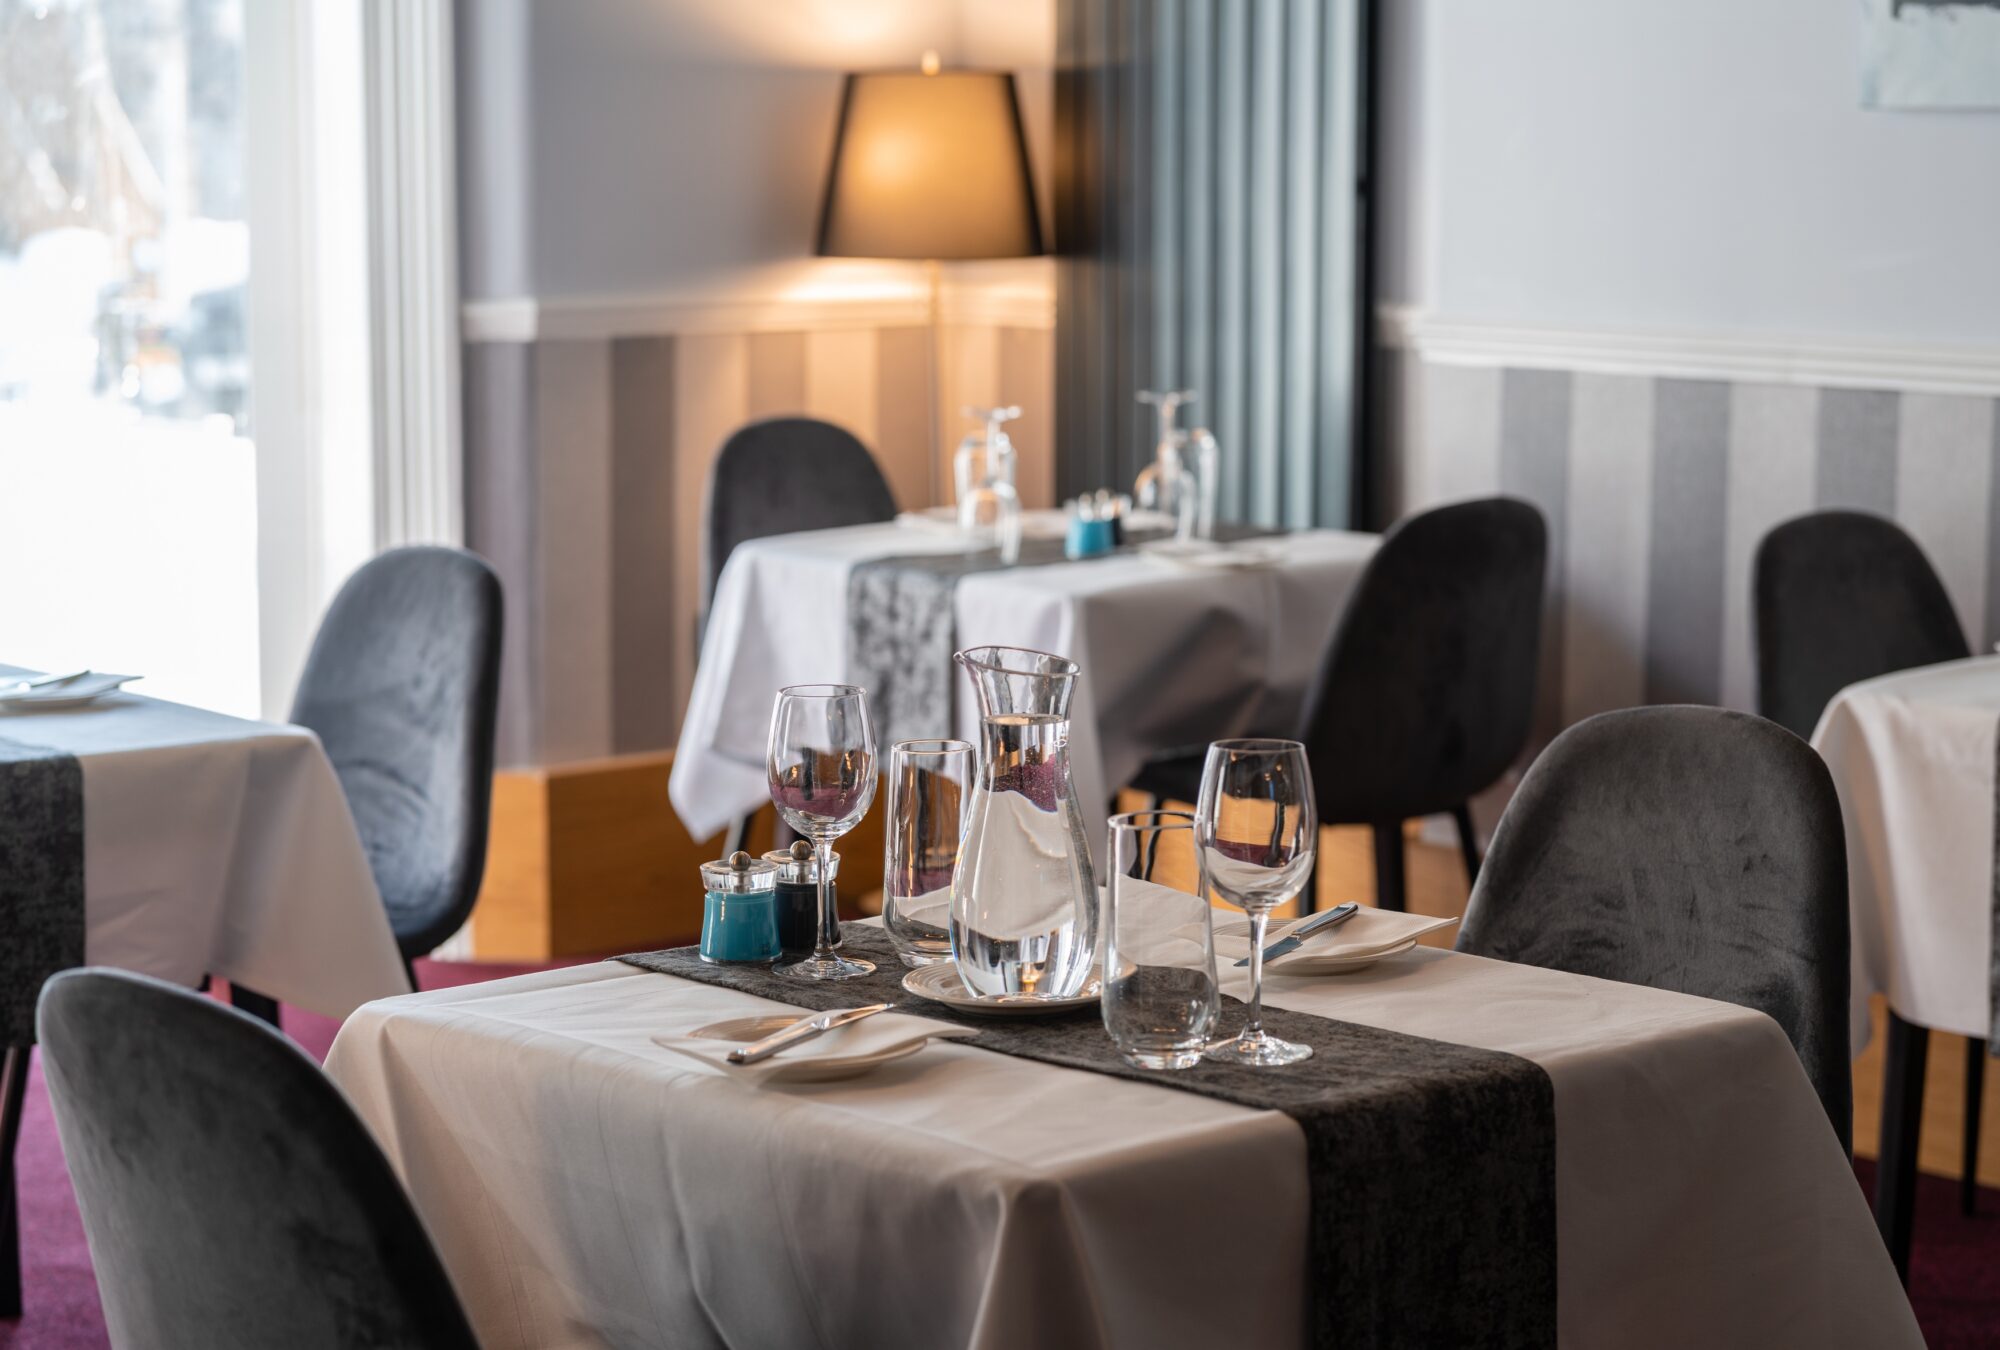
(1256, 828)
(822, 772)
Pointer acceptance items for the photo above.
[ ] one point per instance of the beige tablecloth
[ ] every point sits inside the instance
(1913, 756)
(588, 1188)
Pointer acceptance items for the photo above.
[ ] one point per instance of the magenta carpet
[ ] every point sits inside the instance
(1954, 1267)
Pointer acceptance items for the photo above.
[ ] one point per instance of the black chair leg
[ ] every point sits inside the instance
(254, 1003)
(13, 1091)
(410, 966)
(1975, 1093)
(1468, 842)
(1902, 1121)
(1390, 892)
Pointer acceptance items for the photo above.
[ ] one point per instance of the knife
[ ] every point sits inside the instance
(800, 1031)
(1292, 941)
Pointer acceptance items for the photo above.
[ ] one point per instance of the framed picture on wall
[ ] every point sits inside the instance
(1942, 54)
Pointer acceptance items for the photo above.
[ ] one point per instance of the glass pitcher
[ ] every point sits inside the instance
(1024, 899)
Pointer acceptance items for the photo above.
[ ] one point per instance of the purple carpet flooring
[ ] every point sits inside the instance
(1954, 1266)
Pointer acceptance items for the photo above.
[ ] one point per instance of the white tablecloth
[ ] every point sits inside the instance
(1913, 755)
(216, 846)
(1171, 655)
(588, 1188)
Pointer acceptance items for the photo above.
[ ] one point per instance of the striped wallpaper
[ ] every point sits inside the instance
(1657, 491)
(585, 466)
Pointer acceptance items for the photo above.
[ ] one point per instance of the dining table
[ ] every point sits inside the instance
(1914, 757)
(1177, 647)
(587, 1185)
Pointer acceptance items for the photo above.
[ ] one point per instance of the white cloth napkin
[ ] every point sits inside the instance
(1369, 933)
(877, 1035)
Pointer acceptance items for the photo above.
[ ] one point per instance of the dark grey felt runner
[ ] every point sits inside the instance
(1432, 1165)
(901, 635)
(41, 878)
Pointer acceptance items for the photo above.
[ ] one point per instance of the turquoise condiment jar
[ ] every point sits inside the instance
(739, 914)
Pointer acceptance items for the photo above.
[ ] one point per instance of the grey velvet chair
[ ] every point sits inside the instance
(1685, 848)
(232, 1199)
(1843, 596)
(779, 476)
(402, 687)
(782, 475)
(1425, 697)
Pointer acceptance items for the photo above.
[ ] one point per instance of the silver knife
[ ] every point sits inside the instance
(1293, 940)
(800, 1031)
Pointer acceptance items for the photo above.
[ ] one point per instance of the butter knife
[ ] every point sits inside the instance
(801, 1031)
(1292, 941)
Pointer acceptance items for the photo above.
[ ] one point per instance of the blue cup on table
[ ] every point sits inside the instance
(739, 911)
(1087, 538)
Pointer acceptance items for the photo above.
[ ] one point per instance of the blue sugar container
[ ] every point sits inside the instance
(739, 912)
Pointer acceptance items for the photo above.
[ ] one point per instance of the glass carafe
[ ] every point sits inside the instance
(1023, 899)
(1168, 485)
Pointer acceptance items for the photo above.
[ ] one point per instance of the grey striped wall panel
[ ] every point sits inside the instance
(1657, 491)
(585, 466)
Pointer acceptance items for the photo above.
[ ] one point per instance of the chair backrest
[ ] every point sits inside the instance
(786, 474)
(230, 1195)
(403, 688)
(1685, 848)
(1427, 692)
(1843, 596)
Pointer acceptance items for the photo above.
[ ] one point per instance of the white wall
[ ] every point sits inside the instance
(1701, 165)
(680, 146)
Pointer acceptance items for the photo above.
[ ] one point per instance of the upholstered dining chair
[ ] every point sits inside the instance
(230, 1195)
(402, 687)
(1425, 697)
(1685, 848)
(1843, 596)
(779, 476)
(785, 474)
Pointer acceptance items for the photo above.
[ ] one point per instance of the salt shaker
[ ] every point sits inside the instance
(739, 914)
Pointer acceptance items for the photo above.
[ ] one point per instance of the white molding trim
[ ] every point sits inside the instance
(413, 225)
(1825, 362)
(528, 318)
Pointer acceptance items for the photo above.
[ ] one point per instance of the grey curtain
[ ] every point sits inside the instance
(1211, 231)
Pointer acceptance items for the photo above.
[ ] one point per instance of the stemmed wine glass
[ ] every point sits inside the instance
(822, 772)
(1256, 828)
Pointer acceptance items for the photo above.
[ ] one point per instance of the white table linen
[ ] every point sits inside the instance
(218, 846)
(1171, 654)
(1913, 756)
(588, 1189)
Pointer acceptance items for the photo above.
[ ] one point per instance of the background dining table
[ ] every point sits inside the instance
(588, 1187)
(214, 845)
(1172, 654)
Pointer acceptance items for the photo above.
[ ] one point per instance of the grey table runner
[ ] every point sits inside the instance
(1432, 1165)
(41, 878)
(901, 635)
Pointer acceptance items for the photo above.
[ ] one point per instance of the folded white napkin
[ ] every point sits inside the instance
(882, 1034)
(1369, 933)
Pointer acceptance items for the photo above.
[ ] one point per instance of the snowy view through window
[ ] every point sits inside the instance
(127, 483)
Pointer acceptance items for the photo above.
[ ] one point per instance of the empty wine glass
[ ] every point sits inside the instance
(1160, 998)
(930, 785)
(1256, 827)
(822, 774)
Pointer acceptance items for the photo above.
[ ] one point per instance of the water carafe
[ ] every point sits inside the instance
(1023, 899)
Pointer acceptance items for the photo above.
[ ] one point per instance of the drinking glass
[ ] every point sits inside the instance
(1160, 998)
(822, 774)
(930, 783)
(1256, 827)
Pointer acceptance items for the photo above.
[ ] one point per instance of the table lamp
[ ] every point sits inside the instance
(929, 165)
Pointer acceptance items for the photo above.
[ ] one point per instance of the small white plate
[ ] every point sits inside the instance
(1209, 556)
(75, 694)
(940, 984)
(805, 1068)
(1340, 951)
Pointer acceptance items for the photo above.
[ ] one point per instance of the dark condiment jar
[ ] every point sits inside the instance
(798, 897)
